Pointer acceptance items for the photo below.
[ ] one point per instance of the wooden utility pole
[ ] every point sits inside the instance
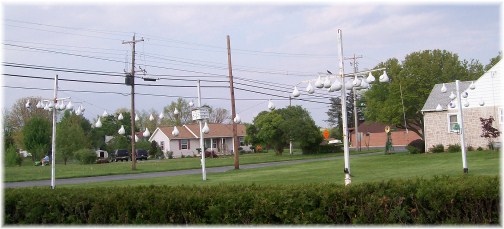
(356, 119)
(132, 113)
(233, 111)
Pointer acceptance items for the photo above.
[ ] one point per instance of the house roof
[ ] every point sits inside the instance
(437, 97)
(191, 131)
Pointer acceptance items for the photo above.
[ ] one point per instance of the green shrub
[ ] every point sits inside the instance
(12, 157)
(454, 148)
(416, 146)
(439, 148)
(479, 148)
(86, 156)
(170, 154)
(470, 148)
(412, 149)
(441, 200)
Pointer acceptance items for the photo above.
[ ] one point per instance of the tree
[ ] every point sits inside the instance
(488, 131)
(218, 115)
(298, 126)
(415, 78)
(19, 115)
(37, 137)
(493, 61)
(278, 127)
(268, 131)
(183, 117)
(71, 135)
(334, 113)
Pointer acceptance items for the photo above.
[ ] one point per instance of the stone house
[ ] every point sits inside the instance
(440, 127)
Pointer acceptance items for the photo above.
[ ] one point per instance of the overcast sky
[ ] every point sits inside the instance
(273, 47)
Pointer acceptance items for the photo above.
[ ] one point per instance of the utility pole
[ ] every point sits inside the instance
(132, 113)
(356, 119)
(233, 110)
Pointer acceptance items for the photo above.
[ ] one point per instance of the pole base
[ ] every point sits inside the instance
(466, 170)
(348, 180)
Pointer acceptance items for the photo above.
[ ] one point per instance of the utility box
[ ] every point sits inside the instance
(128, 80)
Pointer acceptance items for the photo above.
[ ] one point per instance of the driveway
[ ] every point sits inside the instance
(222, 169)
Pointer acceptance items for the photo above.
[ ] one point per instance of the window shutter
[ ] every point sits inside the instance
(180, 144)
(188, 143)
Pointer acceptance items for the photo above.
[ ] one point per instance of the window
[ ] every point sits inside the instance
(453, 125)
(242, 141)
(184, 144)
(161, 145)
(214, 143)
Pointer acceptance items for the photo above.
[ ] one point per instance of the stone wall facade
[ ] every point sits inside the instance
(436, 127)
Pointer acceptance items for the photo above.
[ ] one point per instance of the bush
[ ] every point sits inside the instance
(470, 148)
(86, 156)
(170, 154)
(412, 149)
(441, 200)
(12, 157)
(454, 148)
(332, 148)
(416, 146)
(479, 148)
(439, 148)
(210, 154)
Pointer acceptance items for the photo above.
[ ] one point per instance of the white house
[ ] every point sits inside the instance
(219, 139)
(439, 126)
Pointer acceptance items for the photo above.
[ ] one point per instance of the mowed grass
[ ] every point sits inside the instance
(364, 169)
(30, 172)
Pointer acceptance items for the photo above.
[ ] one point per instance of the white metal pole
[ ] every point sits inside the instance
(461, 124)
(346, 153)
(290, 147)
(53, 153)
(202, 146)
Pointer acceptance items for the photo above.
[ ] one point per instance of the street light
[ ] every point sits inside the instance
(460, 118)
(338, 85)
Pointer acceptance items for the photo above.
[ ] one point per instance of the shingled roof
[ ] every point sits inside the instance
(437, 97)
(190, 131)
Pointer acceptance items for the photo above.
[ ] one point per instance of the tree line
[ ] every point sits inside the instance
(30, 129)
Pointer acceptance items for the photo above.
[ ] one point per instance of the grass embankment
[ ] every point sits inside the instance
(364, 169)
(72, 170)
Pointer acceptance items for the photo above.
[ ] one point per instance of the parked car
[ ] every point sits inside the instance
(141, 154)
(120, 155)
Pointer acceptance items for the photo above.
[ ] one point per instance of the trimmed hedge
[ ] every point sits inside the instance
(441, 200)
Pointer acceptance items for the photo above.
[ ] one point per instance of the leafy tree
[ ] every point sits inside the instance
(334, 113)
(269, 132)
(183, 117)
(488, 131)
(415, 78)
(19, 115)
(37, 137)
(110, 127)
(71, 136)
(142, 144)
(278, 127)
(493, 61)
(118, 142)
(8, 132)
(298, 126)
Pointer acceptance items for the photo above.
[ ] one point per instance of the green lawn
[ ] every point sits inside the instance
(29, 172)
(364, 169)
